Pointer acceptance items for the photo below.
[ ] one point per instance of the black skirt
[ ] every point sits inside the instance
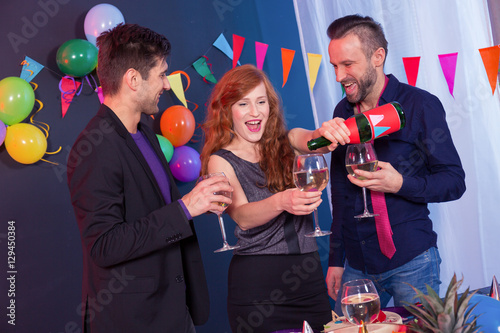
(268, 293)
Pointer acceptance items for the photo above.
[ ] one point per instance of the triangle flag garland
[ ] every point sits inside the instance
(222, 44)
(175, 81)
(287, 60)
(449, 66)
(202, 68)
(314, 61)
(260, 54)
(68, 87)
(30, 69)
(491, 57)
(411, 65)
(238, 42)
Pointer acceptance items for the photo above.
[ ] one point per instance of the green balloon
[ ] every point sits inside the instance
(166, 147)
(17, 99)
(77, 57)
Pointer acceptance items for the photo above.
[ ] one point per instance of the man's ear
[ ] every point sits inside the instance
(378, 57)
(132, 78)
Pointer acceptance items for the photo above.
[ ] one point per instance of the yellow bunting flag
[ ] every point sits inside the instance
(314, 61)
(176, 85)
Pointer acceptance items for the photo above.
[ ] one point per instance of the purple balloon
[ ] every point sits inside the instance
(185, 164)
(3, 132)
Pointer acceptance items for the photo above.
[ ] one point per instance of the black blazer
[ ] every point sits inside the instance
(141, 261)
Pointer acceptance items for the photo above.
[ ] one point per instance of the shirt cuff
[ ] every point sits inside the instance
(186, 211)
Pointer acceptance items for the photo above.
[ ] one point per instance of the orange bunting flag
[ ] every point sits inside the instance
(449, 66)
(260, 54)
(411, 68)
(314, 61)
(491, 58)
(68, 87)
(238, 42)
(287, 59)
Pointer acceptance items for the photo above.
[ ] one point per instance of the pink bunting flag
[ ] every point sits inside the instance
(100, 94)
(238, 42)
(287, 60)
(411, 68)
(260, 54)
(68, 87)
(449, 66)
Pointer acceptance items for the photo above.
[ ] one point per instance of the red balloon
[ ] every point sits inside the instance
(177, 124)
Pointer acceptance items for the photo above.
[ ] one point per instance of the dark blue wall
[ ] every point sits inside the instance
(48, 252)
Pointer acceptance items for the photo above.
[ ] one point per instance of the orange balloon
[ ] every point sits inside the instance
(177, 124)
(25, 143)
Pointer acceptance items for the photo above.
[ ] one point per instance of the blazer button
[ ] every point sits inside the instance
(179, 278)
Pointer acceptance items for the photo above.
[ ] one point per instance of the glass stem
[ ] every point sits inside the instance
(316, 223)
(362, 328)
(222, 229)
(364, 200)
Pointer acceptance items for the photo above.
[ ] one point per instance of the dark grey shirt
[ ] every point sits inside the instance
(284, 234)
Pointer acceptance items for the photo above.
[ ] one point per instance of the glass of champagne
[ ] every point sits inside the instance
(361, 156)
(225, 246)
(310, 173)
(360, 303)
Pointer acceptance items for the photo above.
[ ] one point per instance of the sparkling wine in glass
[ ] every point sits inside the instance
(360, 303)
(310, 173)
(225, 245)
(363, 157)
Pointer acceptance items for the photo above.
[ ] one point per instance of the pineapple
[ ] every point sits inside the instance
(448, 315)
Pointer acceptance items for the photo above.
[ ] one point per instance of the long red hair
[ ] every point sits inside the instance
(276, 153)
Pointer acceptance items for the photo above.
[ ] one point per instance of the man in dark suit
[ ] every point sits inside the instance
(142, 268)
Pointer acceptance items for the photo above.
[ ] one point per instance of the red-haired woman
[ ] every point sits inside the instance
(275, 277)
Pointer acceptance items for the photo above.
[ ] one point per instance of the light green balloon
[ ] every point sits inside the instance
(17, 99)
(166, 147)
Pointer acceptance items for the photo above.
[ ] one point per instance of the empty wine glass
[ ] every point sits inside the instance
(361, 156)
(360, 303)
(310, 173)
(225, 245)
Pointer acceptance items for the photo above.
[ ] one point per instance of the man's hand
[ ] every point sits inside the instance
(202, 197)
(335, 131)
(386, 179)
(333, 281)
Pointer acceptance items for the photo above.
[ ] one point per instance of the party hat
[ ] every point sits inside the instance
(494, 289)
(306, 328)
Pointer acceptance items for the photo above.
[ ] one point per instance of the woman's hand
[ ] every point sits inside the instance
(298, 202)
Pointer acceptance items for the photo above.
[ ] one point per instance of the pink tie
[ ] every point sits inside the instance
(384, 231)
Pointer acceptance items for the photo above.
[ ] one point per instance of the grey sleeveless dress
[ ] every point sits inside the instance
(275, 279)
(282, 235)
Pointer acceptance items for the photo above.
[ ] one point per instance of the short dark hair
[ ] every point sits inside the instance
(369, 32)
(128, 46)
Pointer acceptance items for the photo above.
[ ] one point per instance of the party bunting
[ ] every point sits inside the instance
(202, 68)
(30, 69)
(411, 65)
(238, 42)
(449, 66)
(98, 90)
(491, 58)
(68, 87)
(314, 61)
(286, 59)
(260, 54)
(175, 81)
(222, 44)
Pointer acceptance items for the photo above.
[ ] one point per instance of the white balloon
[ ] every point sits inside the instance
(101, 18)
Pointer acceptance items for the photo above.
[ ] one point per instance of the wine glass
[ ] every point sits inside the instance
(310, 173)
(360, 303)
(225, 246)
(361, 156)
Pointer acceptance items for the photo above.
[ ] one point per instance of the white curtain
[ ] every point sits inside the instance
(469, 228)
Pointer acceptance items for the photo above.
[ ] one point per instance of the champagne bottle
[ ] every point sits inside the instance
(369, 125)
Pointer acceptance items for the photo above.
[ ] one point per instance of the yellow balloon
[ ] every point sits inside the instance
(25, 143)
